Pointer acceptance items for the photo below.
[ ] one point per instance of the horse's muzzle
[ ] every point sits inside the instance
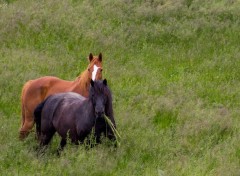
(99, 114)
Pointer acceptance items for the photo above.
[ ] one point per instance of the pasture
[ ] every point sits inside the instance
(173, 67)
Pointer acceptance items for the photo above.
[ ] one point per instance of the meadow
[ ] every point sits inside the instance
(173, 67)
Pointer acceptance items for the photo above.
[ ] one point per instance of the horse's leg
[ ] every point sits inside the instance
(74, 138)
(46, 137)
(23, 114)
(62, 145)
(21, 135)
(27, 124)
(84, 139)
(21, 132)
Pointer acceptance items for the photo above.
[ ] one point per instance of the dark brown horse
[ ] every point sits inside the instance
(35, 91)
(74, 115)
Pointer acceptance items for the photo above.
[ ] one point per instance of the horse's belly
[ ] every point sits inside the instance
(64, 128)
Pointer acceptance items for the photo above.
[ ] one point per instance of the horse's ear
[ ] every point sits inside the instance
(105, 82)
(92, 83)
(90, 57)
(100, 57)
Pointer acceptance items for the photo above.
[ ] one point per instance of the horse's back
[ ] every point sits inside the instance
(35, 91)
(60, 102)
(32, 87)
(72, 96)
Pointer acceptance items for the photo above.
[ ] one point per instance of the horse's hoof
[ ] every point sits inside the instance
(23, 135)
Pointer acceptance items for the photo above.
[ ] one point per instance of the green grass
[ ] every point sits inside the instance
(173, 68)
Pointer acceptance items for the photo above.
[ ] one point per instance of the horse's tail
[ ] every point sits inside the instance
(23, 114)
(37, 117)
(22, 103)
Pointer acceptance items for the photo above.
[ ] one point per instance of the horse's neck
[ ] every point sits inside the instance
(89, 114)
(91, 111)
(81, 84)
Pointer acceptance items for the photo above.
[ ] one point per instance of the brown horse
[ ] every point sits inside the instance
(35, 91)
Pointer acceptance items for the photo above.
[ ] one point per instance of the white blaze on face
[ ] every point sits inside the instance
(94, 73)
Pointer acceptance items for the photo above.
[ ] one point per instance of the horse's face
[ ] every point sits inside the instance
(98, 97)
(95, 67)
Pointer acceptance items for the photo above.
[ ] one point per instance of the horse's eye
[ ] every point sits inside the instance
(89, 69)
(101, 70)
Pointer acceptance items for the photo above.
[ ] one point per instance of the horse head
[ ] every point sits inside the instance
(101, 98)
(98, 97)
(95, 67)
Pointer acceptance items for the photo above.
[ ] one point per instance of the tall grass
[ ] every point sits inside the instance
(172, 66)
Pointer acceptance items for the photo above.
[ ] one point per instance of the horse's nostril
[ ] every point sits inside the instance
(99, 114)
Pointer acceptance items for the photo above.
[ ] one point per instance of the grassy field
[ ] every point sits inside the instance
(173, 67)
